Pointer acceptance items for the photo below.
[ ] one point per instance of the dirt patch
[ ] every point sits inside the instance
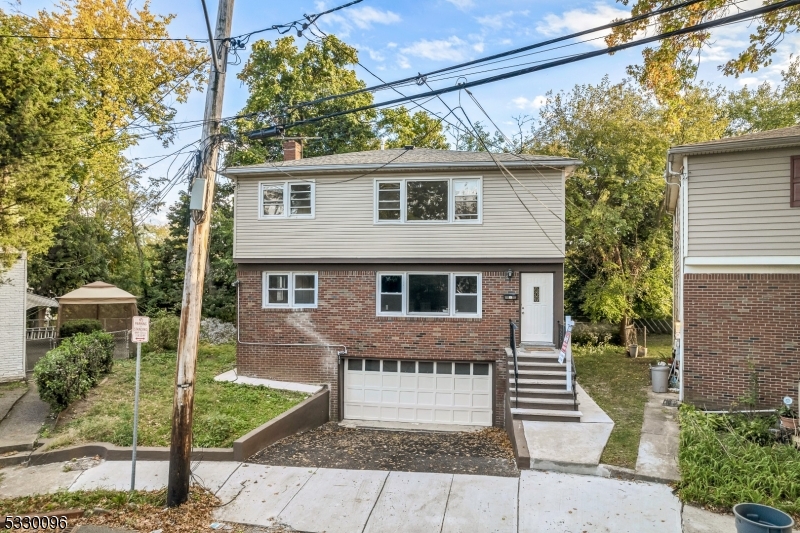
(485, 452)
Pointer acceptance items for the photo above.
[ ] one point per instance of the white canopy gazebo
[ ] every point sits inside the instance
(99, 300)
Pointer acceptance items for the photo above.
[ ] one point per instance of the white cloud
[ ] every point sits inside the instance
(500, 20)
(752, 82)
(462, 4)
(361, 17)
(391, 45)
(529, 104)
(402, 61)
(452, 49)
(478, 47)
(375, 55)
(576, 20)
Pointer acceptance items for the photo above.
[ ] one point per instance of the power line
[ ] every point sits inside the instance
(419, 78)
(579, 57)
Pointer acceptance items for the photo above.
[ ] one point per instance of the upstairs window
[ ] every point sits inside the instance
(290, 199)
(290, 289)
(429, 294)
(453, 200)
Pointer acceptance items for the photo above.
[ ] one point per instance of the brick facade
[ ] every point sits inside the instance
(734, 323)
(346, 315)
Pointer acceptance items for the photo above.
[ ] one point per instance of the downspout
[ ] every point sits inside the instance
(683, 220)
(339, 353)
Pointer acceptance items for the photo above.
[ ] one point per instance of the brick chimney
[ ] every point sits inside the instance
(292, 150)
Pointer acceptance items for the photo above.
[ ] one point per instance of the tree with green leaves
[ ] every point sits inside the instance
(169, 260)
(671, 66)
(280, 76)
(619, 249)
(40, 120)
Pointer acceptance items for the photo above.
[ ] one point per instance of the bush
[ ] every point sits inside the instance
(67, 372)
(163, 334)
(215, 331)
(83, 325)
(595, 333)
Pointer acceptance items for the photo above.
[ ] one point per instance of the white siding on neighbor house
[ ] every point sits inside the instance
(344, 227)
(12, 321)
(739, 205)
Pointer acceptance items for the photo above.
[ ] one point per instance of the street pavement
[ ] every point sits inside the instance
(369, 501)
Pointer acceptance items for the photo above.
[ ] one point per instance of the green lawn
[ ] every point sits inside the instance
(618, 384)
(223, 412)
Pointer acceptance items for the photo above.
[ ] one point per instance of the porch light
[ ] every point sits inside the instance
(510, 296)
(509, 275)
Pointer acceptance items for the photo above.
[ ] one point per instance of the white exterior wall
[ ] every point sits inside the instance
(344, 227)
(12, 321)
(739, 206)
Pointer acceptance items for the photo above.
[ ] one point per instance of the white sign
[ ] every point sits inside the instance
(563, 354)
(141, 329)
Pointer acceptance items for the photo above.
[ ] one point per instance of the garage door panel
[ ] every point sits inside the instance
(463, 384)
(444, 399)
(426, 383)
(425, 398)
(460, 397)
(481, 384)
(444, 383)
(390, 396)
(462, 400)
(408, 382)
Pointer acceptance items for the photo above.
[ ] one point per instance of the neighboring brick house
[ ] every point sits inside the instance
(393, 274)
(736, 207)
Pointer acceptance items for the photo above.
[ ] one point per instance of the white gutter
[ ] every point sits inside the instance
(267, 169)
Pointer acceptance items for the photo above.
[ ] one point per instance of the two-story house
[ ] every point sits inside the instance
(392, 275)
(736, 207)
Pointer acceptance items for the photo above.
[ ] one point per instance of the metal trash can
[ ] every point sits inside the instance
(756, 518)
(659, 375)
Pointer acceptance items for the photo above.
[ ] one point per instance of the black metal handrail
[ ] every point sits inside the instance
(512, 341)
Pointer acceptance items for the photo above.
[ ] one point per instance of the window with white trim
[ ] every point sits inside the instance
(429, 294)
(289, 199)
(289, 289)
(420, 200)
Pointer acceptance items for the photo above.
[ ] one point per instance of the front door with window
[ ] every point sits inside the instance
(536, 302)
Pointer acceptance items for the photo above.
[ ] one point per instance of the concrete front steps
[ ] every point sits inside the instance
(541, 393)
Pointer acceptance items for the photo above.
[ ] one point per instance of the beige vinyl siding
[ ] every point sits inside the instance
(344, 227)
(739, 205)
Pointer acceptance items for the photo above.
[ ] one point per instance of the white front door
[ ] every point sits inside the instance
(537, 308)
(418, 391)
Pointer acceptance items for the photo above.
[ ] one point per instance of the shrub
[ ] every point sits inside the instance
(595, 333)
(83, 325)
(215, 331)
(163, 334)
(67, 372)
(725, 460)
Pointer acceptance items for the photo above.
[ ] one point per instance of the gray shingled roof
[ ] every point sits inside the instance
(763, 139)
(400, 158)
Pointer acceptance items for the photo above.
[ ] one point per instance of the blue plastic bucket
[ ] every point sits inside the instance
(756, 518)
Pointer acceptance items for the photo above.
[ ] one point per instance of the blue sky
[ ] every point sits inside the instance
(399, 39)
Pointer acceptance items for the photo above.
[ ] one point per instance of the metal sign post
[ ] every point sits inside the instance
(140, 334)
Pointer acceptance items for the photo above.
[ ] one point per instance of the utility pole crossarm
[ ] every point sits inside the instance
(196, 256)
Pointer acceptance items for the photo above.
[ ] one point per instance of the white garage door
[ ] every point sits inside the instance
(418, 391)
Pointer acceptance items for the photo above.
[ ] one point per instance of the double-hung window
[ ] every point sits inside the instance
(288, 199)
(429, 294)
(290, 289)
(420, 200)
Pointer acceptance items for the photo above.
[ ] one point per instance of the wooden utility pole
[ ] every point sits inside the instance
(196, 256)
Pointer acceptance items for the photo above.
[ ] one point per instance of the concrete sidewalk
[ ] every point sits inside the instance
(369, 501)
(20, 427)
(658, 445)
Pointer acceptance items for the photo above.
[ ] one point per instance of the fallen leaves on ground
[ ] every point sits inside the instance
(485, 452)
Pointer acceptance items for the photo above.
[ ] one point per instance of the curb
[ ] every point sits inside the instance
(308, 414)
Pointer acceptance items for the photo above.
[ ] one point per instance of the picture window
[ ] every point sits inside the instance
(452, 200)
